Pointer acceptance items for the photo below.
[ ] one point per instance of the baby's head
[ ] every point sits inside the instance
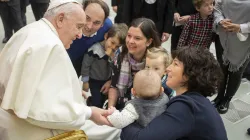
(158, 59)
(147, 85)
(115, 38)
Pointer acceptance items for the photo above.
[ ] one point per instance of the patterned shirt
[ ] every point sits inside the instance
(197, 32)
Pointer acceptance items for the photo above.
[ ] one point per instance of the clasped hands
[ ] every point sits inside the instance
(228, 26)
(99, 116)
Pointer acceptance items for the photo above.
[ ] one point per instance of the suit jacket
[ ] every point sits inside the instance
(119, 14)
(165, 12)
(13, 2)
(39, 1)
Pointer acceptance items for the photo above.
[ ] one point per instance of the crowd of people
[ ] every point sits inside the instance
(13, 14)
(136, 85)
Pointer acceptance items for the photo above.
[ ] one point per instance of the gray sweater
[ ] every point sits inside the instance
(95, 64)
(149, 109)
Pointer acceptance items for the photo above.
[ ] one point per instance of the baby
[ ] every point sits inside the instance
(149, 101)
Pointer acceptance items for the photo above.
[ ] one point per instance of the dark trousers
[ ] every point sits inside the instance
(247, 72)
(11, 18)
(23, 6)
(176, 33)
(231, 81)
(98, 98)
(218, 48)
(39, 9)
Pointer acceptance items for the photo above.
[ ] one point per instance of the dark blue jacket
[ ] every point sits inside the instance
(189, 116)
(80, 46)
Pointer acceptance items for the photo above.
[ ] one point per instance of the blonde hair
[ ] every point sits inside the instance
(198, 3)
(147, 84)
(154, 53)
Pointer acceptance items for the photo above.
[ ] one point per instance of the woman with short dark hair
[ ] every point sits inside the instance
(194, 75)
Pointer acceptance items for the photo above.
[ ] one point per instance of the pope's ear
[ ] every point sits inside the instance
(59, 20)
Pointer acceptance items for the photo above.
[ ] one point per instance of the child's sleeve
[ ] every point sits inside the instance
(122, 119)
(86, 63)
(185, 34)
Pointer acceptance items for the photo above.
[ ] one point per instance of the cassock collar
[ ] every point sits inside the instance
(50, 25)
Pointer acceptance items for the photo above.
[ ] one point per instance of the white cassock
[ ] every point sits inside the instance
(39, 85)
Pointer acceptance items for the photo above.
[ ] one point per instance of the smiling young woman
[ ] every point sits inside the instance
(141, 36)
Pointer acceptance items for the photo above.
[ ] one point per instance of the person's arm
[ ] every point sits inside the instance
(112, 96)
(176, 122)
(95, 114)
(122, 119)
(218, 15)
(185, 35)
(86, 63)
(72, 125)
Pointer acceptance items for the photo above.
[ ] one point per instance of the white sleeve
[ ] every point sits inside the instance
(71, 125)
(245, 28)
(122, 119)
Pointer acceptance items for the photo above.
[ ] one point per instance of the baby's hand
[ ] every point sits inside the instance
(111, 110)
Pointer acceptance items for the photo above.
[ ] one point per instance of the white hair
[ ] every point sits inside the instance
(65, 8)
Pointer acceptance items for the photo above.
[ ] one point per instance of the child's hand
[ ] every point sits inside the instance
(111, 110)
(109, 52)
(85, 86)
(105, 87)
(84, 94)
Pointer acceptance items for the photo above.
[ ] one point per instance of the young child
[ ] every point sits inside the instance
(96, 71)
(198, 31)
(158, 59)
(149, 101)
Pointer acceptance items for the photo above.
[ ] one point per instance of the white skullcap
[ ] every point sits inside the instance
(56, 3)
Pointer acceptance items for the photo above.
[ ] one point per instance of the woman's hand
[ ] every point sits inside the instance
(231, 27)
(228, 26)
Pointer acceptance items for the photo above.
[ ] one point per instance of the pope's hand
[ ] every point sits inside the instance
(99, 116)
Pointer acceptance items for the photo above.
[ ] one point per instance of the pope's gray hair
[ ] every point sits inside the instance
(66, 8)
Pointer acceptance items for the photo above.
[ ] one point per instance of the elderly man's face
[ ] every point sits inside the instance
(72, 27)
(94, 19)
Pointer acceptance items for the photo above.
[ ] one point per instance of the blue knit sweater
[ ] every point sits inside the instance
(80, 46)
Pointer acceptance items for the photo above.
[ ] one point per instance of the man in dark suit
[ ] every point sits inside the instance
(39, 7)
(117, 6)
(10, 13)
(160, 11)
